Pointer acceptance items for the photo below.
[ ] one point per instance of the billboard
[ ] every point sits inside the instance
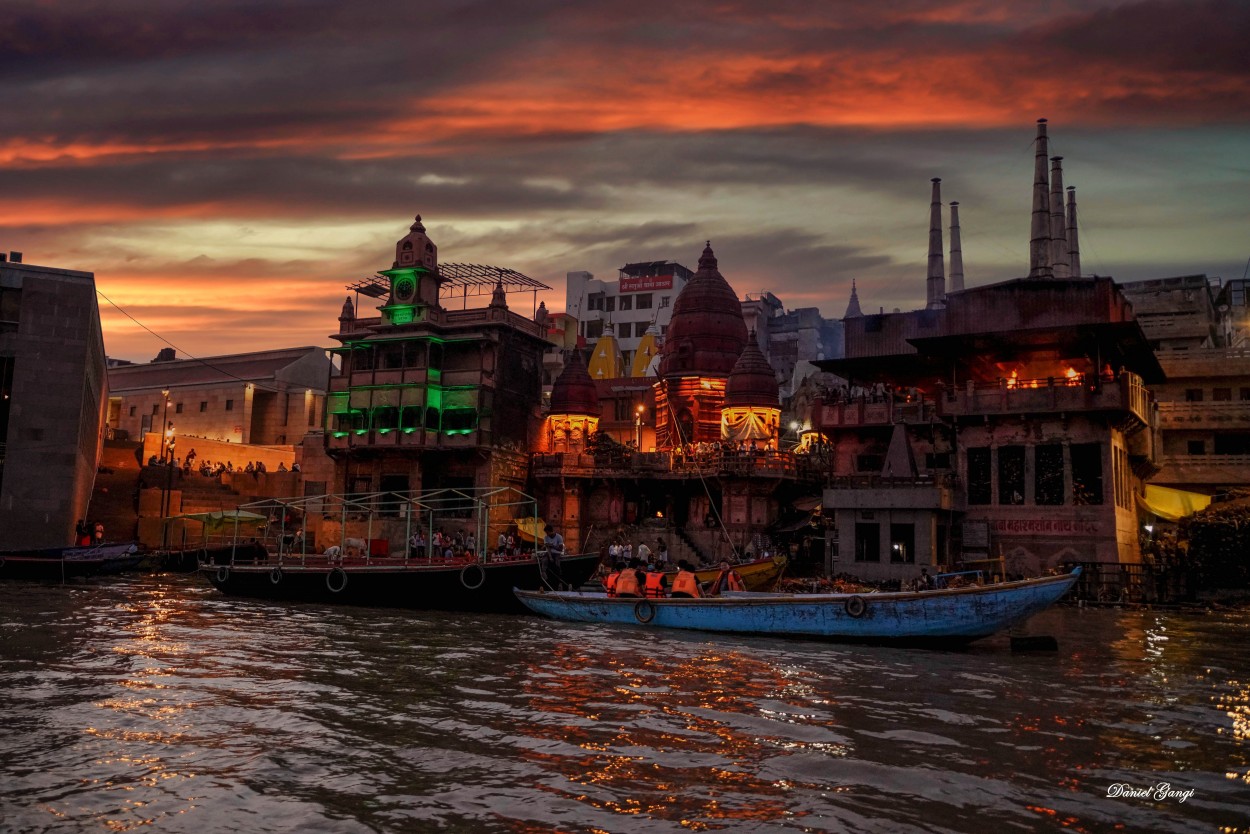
(646, 283)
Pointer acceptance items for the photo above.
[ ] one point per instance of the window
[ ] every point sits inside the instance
(594, 329)
(1048, 475)
(665, 300)
(609, 305)
(594, 301)
(979, 475)
(1197, 447)
(867, 542)
(156, 409)
(624, 330)
(1232, 444)
(663, 329)
(1244, 394)
(1086, 473)
(385, 417)
(1010, 474)
(229, 405)
(178, 408)
(203, 406)
(10, 304)
(395, 486)
(902, 543)
(642, 301)
(1221, 395)
(627, 302)
(869, 464)
(1193, 395)
(460, 419)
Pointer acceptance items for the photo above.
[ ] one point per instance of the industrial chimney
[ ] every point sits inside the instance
(935, 284)
(957, 252)
(1039, 243)
(1074, 248)
(1058, 232)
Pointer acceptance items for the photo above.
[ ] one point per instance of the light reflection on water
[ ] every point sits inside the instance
(157, 704)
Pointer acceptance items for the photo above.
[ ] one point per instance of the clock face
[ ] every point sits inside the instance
(405, 289)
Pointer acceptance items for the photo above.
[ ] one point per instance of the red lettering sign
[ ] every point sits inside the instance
(646, 283)
(1046, 526)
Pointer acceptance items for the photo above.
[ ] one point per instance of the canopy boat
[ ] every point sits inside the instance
(365, 553)
(59, 563)
(956, 615)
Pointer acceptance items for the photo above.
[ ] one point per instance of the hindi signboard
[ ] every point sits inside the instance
(646, 283)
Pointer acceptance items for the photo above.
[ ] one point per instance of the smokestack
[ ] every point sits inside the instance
(1039, 243)
(1058, 232)
(935, 285)
(957, 252)
(1074, 248)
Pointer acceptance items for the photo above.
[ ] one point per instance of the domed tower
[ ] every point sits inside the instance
(575, 408)
(752, 412)
(414, 278)
(706, 335)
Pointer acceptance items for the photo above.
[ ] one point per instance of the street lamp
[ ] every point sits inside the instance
(638, 412)
(169, 488)
(164, 422)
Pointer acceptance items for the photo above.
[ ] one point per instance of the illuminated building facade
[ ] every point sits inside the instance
(427, 397)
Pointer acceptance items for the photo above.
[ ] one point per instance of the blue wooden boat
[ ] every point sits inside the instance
(60, 563)
(956, 615)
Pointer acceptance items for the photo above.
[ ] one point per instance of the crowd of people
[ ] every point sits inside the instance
(214, 469)
(649, 580)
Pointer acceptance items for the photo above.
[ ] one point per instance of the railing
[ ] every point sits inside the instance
(1205, 460)
(767, 463)
(947, 480)
(1050, 394)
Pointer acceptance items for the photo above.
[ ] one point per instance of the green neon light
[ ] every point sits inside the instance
(340, 434)
(359, 432)
(385, 431)
(409, 431)
(434, 374)
(458, 431)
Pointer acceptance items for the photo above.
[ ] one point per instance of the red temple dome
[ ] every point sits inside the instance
(752, 381)
(706, 333)
(574, 391)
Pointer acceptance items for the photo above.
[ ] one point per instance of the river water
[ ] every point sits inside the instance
(155, 704)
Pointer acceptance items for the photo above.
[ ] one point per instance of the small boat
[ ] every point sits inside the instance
(60, 563)
(952, 616)
(457, 585)
(757, 575)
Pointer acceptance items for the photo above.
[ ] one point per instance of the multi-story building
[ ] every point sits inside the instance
(1003, 422)
(641, 296)
(426, 397)
(52, 401)
(791, 339)
(1204, 405)
(267, 398)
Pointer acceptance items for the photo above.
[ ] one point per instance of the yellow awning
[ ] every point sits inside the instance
(530, 528)
(1172, 504)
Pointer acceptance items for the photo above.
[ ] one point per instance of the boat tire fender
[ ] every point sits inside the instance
(223, 574)
(644, 611)
(336, 580)
(275, 576)
(475, 583)
(855, 606)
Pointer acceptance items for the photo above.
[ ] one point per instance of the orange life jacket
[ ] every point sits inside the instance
(686, 583)
(733, 582)
(655, 584)
(609, 584)
(627, 584)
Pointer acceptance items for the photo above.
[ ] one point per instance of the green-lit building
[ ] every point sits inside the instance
(429, 397)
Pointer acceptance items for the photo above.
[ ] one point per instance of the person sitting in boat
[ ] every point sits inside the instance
(729, 580)
(632, 582)
(925, 582)
(685, 583)
(656, 583)
(609, 581)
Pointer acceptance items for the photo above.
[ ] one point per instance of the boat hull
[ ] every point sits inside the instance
(458, 586)
(60, 563)
(948, 616)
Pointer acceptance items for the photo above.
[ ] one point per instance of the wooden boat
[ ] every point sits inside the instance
(457, 585)
(957, 615)
(60, 563)
(757, 575)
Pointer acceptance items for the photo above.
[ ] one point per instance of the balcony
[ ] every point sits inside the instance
(1225, 414)
(1052, 395)
(863, 412)
(1204, 470)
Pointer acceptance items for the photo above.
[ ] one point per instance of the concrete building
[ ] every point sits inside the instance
(52, 402)
(266, 398)
(791, 339)
(1006, 425)
(1204, 406)
(642, 294)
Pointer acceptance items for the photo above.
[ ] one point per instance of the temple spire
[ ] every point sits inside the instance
(1058, 234)
(935, 284)
(957, 252)
(852, 309)
(1039, 243)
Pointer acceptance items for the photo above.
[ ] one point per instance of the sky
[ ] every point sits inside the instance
(226, 167)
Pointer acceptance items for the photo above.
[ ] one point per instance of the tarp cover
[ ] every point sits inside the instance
(1172, 504)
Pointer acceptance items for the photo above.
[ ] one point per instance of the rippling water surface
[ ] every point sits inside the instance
(156, 704)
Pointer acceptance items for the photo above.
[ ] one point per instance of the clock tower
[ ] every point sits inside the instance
(414, 278)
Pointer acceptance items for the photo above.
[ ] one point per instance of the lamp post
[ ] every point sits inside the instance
(169, 487)
(638, 412)
(164, 421)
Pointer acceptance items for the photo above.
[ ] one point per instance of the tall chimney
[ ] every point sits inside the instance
(957, 252)
(1039, 243)
(1074, 248)
(935, 285)
(1058, 233)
